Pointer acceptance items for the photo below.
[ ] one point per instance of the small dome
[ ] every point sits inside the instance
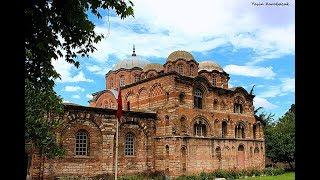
(180, 55)
(209, 66)
(153, 66)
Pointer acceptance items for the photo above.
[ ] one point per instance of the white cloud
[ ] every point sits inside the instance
(252, 71)
(65, 70)
(89, 96)
(203, 26)
(65, 101)
(73, 88)
(262, 102)
(76, 96)
(287, 86)
(98, 69)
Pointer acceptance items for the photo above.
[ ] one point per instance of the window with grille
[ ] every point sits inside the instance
(238, 108)
(122, 83)
(129, 145)
(81, 143)
(214, 81)
(200, 129)
(239, 131)
(198, 98)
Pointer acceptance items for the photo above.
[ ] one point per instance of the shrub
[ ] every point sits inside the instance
(273, 171)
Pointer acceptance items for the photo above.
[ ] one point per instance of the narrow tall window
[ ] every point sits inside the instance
(122, 83)
(224, 129)
(239, 131)
(198, 98)
(81, 143)
(180, 69)
(254, 130)
(129, 145)
(181, 97)
(238, 108)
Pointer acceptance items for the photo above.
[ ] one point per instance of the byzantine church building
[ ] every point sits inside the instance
(180, 118)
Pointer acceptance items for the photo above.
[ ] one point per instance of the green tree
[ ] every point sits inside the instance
(280, 139)
(56, 28)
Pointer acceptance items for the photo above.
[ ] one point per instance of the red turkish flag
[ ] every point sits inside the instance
(119, 101)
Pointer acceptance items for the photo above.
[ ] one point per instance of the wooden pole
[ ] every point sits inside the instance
(116, 163)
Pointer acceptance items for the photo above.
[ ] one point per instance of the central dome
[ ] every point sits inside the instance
(131, 62)
(209, 66)
(180, 55)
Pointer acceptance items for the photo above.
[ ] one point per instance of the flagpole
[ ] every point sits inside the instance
(116, 163)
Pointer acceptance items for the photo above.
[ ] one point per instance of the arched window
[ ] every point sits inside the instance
(254, 130)
(218, 153)
(167, 120)
(129, 145)
(224, 129)
(198, 98)
(180, 69)
(200, 129)
(239, 131)
(238, 107)
(167, 150)
(82, 143)
(128, 105)
(122, 82)
(214, 80)
(192, 70)
(256, 150)
(241, 156)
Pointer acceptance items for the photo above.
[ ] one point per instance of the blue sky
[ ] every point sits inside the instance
(255, 45)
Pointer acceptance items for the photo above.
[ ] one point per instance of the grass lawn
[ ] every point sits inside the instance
(285, 176)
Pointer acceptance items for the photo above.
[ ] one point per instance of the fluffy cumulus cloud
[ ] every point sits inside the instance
(162, 26)
(89, 96)
(73, 88)
(252, 71)
(286, 86)
(66, 69)
(262, 102)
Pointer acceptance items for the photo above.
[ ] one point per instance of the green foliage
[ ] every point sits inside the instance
(280, 139)
(233, 174)
(56, 29)
(42, 110)
(273, 171)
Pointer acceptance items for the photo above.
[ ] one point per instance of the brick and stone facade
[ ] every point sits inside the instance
(182, 119)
